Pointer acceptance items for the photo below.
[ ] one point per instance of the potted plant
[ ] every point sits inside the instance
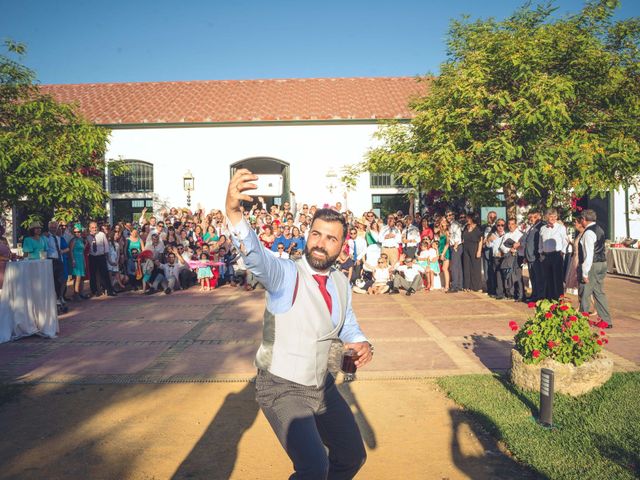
(561, 338)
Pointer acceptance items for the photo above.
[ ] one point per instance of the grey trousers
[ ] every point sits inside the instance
(401, 282)
(455, 265)
(305, 419)
(595, 287)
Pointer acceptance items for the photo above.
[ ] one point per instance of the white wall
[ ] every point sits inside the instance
(619, 210)
(311, 150)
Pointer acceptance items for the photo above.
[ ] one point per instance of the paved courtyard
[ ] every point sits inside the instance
(143, 387)
(207, 336)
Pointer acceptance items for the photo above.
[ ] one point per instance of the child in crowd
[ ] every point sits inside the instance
(428, 259)
(132, 267)
(204, 272)
(381, 277)
(145, 267)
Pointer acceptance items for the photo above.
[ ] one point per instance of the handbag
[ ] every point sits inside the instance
(508, 262)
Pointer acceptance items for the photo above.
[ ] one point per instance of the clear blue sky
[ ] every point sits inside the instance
(74, 41)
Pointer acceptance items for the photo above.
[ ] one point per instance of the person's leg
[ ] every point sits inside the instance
(104, 273)
(547, 273)
(558, 275)
(499, 280)
(172, 284)
(290, 410)
(598, 272)
(57, 270)
(541, 283)
(397, 283)
(340, 433)
(416, 283)
(466, 270)
(93, 275)
(459, 270)
(447, 277)
(158, 282)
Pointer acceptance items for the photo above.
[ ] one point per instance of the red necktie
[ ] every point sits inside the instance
(322, 284)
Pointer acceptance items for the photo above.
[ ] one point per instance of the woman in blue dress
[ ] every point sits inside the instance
(76, 254)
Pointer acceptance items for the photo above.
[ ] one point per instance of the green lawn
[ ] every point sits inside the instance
(597, 436)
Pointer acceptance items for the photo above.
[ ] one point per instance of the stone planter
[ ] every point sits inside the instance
(569, 379)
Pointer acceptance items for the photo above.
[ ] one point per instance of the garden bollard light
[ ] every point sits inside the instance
(546, 397)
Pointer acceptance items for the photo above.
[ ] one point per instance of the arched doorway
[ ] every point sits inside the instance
(264, 166)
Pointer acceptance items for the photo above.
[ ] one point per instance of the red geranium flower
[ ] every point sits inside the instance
(513, 325)
(551, 344)
(562, 296)
(573, 318)
(564, 307)
(531, 304)
(602, 324)
(585, 314)
(529, 332)
(567, 324)
(599, 342)
(548, 315)
(605, 340)
(575, 338)
(553, 307)
(535, 353)
(602, 333)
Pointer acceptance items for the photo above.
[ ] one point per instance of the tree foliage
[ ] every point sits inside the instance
(50, 157)
(535, 106)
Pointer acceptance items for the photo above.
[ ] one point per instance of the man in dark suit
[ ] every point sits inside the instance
(532, 256)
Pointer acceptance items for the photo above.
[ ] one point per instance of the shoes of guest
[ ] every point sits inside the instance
(394, 291)
(151, 291)
(410, 292)
(112, 294)
(167, 291)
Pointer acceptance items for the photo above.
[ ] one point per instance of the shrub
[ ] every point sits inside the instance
(560, 332)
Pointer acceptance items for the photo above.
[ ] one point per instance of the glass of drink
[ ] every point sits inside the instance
(348, 367)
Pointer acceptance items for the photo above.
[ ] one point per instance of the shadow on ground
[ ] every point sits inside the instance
(214, 455)
(491, 463)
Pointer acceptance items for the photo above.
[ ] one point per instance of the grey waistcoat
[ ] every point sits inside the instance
(295, 344)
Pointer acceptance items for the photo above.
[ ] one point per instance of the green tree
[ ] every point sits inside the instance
(50, 158)
(535, 106)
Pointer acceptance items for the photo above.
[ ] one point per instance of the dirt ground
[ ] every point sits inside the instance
(216, 431)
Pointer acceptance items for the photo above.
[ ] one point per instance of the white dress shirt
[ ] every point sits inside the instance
(391, 242)
(553, 238)
(409, 272)
(412, 234)
(455, 233)
(101, 243)
(516, 235)
(588, 242)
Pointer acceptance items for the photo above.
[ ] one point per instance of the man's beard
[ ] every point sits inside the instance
(317, 263)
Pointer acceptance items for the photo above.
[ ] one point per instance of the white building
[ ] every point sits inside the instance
(303, 129)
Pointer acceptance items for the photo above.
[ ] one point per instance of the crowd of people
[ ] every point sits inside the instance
(177, 249)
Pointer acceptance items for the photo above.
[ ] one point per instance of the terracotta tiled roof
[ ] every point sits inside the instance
(242, 100)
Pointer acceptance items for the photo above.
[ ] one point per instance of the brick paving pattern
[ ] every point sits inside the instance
(213, 336)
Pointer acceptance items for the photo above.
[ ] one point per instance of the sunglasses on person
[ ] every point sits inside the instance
(76, 231)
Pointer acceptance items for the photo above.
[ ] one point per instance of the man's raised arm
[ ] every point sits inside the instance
(269, 270)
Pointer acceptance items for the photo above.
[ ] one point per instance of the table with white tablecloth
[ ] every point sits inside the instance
(625, 261)
(28, 300)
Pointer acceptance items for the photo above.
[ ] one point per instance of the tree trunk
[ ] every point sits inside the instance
(510, 198)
